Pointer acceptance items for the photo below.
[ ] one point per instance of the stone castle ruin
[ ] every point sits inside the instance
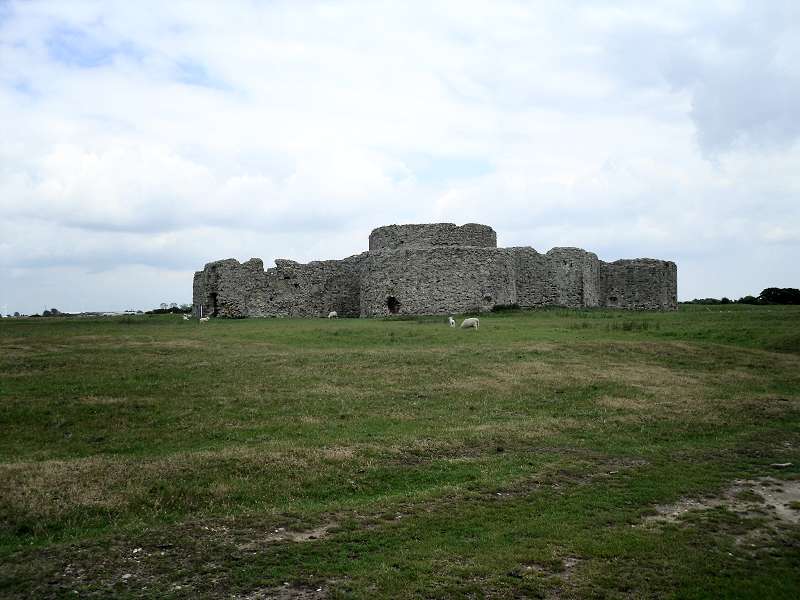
(432, 269)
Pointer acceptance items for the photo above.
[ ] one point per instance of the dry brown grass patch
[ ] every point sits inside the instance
(541, 427)
(112, 400)
(338, 453)
(661, 388)
(506, 377)
(54, 487)
(339, 390)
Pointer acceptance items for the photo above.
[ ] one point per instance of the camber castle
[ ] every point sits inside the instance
(432, 269)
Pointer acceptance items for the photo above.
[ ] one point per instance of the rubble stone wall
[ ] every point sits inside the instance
(227, 288)
(435, 268)
(314, 289)
(393, 237)
(562, 277)
(641, 283)
(437, 281)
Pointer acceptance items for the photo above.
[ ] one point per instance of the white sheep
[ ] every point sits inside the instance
(186, 317)
(333, 315)
(203, 319)
(471, 322)
(451, 321)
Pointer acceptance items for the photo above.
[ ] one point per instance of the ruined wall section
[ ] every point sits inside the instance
(574, 275)
(530, 277)
(563, 277)
(641, 283)
(393, 237)
(437, 281)
(314, 289)
(228, 288)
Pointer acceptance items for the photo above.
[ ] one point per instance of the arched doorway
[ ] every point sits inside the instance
(393, 304)
(214, 308)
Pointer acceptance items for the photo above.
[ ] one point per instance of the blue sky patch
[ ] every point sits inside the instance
(193, 73)
(24, 88)
(6, 11)
(78, 48)
(438, 169)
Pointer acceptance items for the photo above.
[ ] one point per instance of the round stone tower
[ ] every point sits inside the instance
(393, 237)
(438, 268)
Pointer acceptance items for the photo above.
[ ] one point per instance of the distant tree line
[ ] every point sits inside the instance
(172, 309)
(768, 296)
(165, 309)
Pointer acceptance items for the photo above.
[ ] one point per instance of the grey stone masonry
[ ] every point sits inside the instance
(395, 237)
(436, 268)
(639, 283)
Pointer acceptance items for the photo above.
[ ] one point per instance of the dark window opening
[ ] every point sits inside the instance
(487, 298)
(612, 298)
(214, 308)
(393, 304)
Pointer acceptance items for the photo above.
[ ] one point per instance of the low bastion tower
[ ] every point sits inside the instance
(433, 269)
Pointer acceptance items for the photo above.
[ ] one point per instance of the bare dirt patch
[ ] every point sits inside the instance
(775, 498)
(285, 592)
(557, 575)
(282, 534)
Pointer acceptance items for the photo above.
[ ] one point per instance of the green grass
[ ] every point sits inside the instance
(151, 457)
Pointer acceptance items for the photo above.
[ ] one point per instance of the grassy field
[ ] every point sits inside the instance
(551, 454)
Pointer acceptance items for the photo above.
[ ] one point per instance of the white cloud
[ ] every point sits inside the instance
(150, 138)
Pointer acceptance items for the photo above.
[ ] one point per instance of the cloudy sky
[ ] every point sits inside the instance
(140, 140)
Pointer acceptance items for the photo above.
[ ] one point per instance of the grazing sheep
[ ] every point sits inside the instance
(186, 317)
(204, 319)
(333, 315)
(451, 321)
(471, 322)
